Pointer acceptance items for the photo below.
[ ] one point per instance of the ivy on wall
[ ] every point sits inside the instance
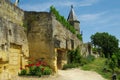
(64, 22)
(79, 36)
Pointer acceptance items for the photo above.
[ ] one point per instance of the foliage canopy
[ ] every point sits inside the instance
(105, 41)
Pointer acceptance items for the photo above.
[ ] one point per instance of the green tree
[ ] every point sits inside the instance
(105, 41)
(113, 62)
(118, 57)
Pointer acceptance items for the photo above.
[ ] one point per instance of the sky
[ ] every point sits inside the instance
(94, 15)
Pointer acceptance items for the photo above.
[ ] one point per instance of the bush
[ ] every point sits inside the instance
(112, 62)
(39, 74)
(90, 58)
(38, 69)
(47, 71)
(74, 56)
(23, 72)
(118, 77)
(83, 61)
(32, 70)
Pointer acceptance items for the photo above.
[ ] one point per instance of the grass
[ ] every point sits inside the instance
(98, 65)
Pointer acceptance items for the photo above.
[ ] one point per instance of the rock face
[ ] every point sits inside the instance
(49, 39)
(33, 35)
(13, 41)
(10, 12)
(40, 32)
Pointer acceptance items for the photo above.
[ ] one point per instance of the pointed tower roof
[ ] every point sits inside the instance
(72, 16)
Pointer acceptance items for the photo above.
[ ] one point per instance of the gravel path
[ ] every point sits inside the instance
(71, 74)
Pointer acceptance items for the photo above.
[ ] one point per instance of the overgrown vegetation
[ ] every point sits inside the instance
(105, 65)
(101, 66)
(64, 22)
(79, 36)
(37, 69)
(108, 46)
(75, 59)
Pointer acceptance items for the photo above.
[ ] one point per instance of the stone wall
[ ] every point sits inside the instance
(48, 38)
(12, 33)
(64, 40)
(40, 37)
(14, 51)
(13, 47)
(11, 12)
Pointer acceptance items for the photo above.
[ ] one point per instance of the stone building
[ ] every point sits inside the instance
(36, 35)
(14, 50)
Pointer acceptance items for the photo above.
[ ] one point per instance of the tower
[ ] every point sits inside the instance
(72, 19)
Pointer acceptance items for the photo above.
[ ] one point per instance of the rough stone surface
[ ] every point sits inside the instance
(42, 37)
(11, 12)
(13, 41)
(49, 39)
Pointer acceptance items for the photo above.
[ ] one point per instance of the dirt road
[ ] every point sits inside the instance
(71, 74)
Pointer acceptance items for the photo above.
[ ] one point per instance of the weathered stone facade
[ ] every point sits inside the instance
(43, 38)
(49, 39)
(13, 40)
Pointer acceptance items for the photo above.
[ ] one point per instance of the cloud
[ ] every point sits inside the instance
(88, 2)
(43, 5)
(91, 17)
(102, 19)
(77, 3)
(106, 21)
(35, 7)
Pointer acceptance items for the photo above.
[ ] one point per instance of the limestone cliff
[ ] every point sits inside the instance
(13, 41)
(37, 35)
(48, 38)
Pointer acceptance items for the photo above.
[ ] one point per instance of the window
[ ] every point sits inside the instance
(72, 44)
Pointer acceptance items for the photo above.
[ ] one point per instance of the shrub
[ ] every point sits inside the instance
(90, 58)
(112, 62)
(83, 61)
(38, 69)
(39, 74)
(74, 56)
(118, 77)
(32, 70)
(47, 71)
(23, 72)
